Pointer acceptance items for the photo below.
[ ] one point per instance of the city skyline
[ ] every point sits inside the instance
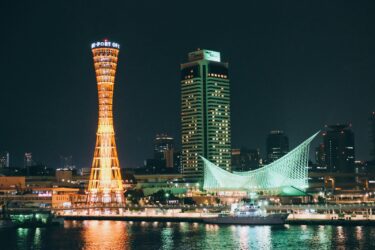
(284, 75)
(187, 125)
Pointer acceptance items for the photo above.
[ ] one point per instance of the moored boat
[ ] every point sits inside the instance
(248, 214)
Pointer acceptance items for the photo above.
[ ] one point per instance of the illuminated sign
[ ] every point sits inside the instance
(45, 195)
(212, 55)
(105, 44)
(205, 54)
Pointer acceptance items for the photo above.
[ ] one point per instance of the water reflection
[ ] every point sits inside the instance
(29, 238)
(184, 227)
(162, 235)
(105, 235)
(324, 234)
(37, 238)
(22, 234)
(340, 233)
(211, 227)
(252, 237)
(358, 233)
(263, 237)
(167, 238)
(243, 233)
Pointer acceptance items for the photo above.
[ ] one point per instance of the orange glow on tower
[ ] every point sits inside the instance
(105, 185)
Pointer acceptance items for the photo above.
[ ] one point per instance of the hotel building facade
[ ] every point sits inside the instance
(205, 113)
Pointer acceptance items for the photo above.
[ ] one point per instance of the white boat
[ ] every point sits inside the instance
(248, 214)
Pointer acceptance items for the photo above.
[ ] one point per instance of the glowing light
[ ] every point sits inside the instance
(105, 43)
(288, 171)
(105, 184)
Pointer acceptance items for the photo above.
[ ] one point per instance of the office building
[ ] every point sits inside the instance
(205, 113)
(28, 160)
(244, 159)
(163, 149)
(339, 148)
(277, 145)
(320, 157)
(4, 159)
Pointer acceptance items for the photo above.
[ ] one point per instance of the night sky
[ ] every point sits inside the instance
(294, 65)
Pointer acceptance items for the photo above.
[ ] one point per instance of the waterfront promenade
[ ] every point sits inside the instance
(357, 214)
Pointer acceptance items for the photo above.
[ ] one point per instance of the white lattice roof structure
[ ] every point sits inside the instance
(290, 170)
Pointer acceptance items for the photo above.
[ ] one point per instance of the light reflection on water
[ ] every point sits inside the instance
(105, 235)
(358, 233)
(167, 238)
(162, 235)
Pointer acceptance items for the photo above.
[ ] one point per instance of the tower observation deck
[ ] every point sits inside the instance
(105, 184)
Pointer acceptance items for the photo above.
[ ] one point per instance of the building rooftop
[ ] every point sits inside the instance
(204, 54)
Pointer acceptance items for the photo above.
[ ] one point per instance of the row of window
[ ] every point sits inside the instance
(217, 75)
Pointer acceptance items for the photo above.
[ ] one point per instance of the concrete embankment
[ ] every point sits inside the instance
(134, 218)
(197, 218)
(332, 222)
(330, 219)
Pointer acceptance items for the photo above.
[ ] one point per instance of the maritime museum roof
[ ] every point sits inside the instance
(288, 171)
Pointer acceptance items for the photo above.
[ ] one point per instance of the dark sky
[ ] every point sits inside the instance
(294, 65)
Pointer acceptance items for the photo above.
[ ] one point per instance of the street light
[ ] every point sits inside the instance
(167, 196)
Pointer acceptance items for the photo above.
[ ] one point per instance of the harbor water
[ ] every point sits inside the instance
(183, 235)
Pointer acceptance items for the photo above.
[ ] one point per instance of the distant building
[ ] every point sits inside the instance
(28, 160)
(177, 161)
(244, 159)
(205, 113)
(84, 171)
(154, 166)
(320, 157)
(63, 175)
(7, 182)
(277, 145)
(164, 160)
(372, 135)
(4, 160)
(163, 149)
(39, 170)
(339, 148)
(360, 167)
(67, 162)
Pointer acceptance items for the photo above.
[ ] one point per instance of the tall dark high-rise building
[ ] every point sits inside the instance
(177, 161)
(205, 113)
(372, 135)
(164, 160)
(67, 162)
(4, 159)
(320, 157)
(28, 160)
(244, 159)
(163, 149)
(339, 148)
(277, 145)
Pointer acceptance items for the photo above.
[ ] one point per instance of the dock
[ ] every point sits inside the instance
(178, 216)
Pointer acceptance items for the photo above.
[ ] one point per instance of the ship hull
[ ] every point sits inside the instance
(270, 219)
